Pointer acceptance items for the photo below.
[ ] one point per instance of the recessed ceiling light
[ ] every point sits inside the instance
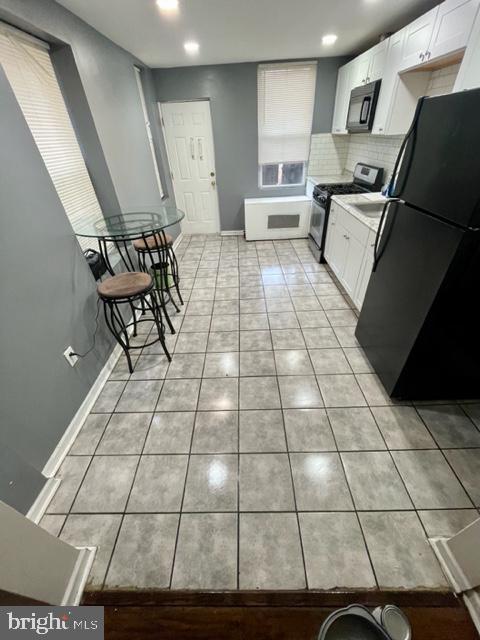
(191, 47)
(167, 5)
(330, 38)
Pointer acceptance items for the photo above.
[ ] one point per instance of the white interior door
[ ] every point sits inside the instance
(189, 139)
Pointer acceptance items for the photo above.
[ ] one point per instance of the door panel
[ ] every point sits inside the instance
(189, 140)
(416, 252)
(452, 28)
(417, 39)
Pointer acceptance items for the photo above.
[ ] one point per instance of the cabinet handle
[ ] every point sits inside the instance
(192, 149)
(429, 53)
(346, 237)
(421, 56)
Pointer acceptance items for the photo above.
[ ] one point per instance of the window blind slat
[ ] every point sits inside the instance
(286, 94)
(30, 73)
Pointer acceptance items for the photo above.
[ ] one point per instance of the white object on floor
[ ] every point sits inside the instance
(40, 566)
(460, 561)
(277, 218)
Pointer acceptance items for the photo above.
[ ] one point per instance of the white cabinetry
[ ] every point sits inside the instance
(437, 37)
(438, 33)
(417, 40)
(398, 93)
(452, 27)
(365, 272)
(378, 58)
(342, 99)
(346, 248)
(469, 73)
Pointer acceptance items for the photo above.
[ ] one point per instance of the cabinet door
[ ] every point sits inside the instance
(417, 39)
(360, 68)
(389, 81)
(353, 263)
(365, 272)
(331, 228)
(338, 251)
(452, 27)
(378, 58)
(469, 73)
(342, 99)
(363, 280)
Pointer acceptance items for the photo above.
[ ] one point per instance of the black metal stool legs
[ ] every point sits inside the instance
(119, 328)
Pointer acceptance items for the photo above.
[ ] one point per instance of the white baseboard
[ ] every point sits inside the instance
(79, 418)
(177, 240)
(240, 232)
(43, 499)
(79, 577)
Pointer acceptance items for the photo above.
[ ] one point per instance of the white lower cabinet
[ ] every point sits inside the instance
(349, 251)
(365, 272)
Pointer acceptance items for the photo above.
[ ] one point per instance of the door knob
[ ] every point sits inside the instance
(213, 183)
(212, 174)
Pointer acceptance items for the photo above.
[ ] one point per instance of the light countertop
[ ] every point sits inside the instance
(348, 202)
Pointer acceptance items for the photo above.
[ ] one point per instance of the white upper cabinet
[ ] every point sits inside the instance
(360, 66)
(440, 32)
(389, 81)
(342, 98)
(452, 27)
(378, 59)
(469, 73)
(417, 40)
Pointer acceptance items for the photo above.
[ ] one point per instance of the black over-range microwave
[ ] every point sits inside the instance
(361, 110)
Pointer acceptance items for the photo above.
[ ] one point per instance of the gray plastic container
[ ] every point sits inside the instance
(352, 623)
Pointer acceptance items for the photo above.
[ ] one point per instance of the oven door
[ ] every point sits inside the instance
(361, 110)
(317, 230)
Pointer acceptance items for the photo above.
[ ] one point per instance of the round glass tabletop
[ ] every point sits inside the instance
(128, 225)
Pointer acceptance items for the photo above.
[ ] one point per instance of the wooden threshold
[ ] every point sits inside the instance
(339, 598)
(261, 615)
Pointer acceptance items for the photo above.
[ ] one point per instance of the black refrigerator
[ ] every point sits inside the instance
(420, 321)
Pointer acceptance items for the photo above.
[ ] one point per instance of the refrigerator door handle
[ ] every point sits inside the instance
(376, 254)
(413, 126)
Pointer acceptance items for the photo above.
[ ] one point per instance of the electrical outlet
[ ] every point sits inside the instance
(69, 358)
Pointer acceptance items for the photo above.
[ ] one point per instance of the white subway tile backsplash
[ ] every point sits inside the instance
(334, 154)
(328, 154)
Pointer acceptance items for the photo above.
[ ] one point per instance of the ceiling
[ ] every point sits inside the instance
(244, 30)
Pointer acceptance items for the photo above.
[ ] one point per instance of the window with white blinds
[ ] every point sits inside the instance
(29, 70)
(286, 94)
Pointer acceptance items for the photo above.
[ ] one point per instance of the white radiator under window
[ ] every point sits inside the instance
(277, 218)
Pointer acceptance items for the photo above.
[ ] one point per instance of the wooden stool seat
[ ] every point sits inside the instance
(125, 285)
(152, 242)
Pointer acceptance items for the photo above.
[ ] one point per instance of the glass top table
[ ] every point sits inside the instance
(130, 225)
(115, 233)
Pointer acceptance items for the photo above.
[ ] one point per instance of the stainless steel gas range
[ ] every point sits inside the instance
(365, 178)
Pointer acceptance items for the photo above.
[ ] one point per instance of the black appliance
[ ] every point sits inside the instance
(361, 109)
(365, 178)
(420, 320)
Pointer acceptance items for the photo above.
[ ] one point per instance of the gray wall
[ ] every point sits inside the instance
(48, 297)
(232, 90)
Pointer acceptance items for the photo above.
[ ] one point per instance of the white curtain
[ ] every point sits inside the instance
(286, 95)
(30, 73)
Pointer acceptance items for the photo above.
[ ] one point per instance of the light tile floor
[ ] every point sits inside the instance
(266, 455)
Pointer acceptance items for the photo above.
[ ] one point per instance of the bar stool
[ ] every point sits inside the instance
(156, 256)
(131, 288)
